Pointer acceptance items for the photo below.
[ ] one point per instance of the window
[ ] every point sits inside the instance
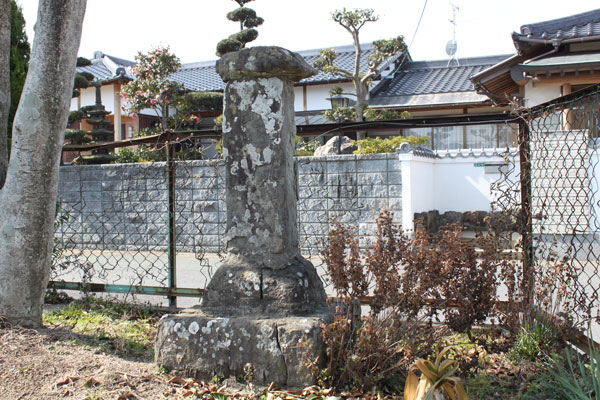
(507, 135)
(481, 136)
(500, 135)
(448, 137)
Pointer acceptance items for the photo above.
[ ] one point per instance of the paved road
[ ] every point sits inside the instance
(125, 268)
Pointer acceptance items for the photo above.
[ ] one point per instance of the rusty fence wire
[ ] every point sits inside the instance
(554, 206)
(123, 228)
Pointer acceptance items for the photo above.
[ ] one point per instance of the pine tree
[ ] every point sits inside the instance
(19, 59)
(248, 21)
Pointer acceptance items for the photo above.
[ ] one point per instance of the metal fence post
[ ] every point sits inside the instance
(528, 283)
(172, 232)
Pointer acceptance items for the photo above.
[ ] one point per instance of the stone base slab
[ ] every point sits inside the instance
(195, 344)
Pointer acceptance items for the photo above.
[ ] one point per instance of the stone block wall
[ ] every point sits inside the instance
(125, 206)
(348, 188)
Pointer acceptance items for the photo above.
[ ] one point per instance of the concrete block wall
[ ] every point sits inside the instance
(348, 188)
(125, 206)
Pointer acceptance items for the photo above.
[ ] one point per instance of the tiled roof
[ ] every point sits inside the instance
(200, 76)
(98, 69)
(203, 76)
(572, 27)
(433, 80)
(121, 61)
(311, 118)
(105, 68)
(344, 60)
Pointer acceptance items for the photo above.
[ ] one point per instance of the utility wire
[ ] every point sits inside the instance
(413, 38)
(418, 24)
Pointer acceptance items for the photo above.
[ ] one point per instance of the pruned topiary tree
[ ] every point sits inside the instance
(248, 21)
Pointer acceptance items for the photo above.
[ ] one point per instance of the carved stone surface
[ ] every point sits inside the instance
(238, 288)
(266, 304)
(258, 143)
(264, 62)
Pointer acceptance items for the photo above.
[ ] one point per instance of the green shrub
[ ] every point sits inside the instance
(388, 145)
(212, 101)
(371, 114)
(340, 114)
(139, 154)
(565, 379)
(533, 343)
(75, 136)
(218, 121)
(304, 149)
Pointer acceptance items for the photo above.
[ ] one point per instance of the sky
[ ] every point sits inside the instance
(192, 28)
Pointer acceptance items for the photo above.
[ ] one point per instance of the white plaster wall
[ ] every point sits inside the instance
(418, 192)
(535, 95)
(88, 98)
(108, 97)
(317, 96)
(461, 186)
(74, 104)
(298, 99)
(447, 184)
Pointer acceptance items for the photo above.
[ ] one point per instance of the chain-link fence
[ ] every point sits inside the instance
(157, 227)
(124, 228)
(555, 206)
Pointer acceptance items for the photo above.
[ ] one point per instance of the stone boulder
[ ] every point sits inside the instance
(331, 147)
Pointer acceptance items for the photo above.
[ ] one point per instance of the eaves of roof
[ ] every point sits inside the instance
(563, 62)
(432, 100)
(573, 28)
(496, 81)
(108, 69)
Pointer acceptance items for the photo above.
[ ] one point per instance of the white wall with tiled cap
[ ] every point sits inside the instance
(454, 181)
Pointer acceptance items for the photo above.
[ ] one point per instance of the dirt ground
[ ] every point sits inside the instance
(48, 364)
(52, 363)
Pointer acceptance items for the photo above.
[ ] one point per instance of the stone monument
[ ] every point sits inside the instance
(265, 303)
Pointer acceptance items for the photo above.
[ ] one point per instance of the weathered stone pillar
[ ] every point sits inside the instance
(266, 302)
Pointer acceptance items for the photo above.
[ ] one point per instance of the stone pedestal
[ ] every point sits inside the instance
(266, 303)
(203, 346)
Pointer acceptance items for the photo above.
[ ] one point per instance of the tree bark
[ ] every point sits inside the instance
(28, 199)
(4, 85)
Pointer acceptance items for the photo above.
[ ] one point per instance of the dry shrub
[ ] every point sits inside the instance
(411, 282)
(445, 274)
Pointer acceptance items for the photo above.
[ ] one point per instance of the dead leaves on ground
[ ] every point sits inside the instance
(185, 388)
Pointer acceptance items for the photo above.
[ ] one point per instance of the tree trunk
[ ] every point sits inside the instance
(359, 87)
(4, 85)
(361, 98)
(164, 117)
(28, 199)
